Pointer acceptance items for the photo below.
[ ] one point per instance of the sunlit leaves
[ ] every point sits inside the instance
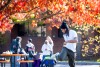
(90, 41)
(21, 6)
(4, 26)
(1, 16)
(34, 24)
(82, 12)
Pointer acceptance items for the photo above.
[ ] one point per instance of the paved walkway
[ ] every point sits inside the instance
(78, 64)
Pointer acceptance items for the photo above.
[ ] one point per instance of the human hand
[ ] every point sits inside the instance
(64, 43)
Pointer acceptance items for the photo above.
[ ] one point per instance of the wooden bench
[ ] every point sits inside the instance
(12, 55)
(3, 62)
(24, 63)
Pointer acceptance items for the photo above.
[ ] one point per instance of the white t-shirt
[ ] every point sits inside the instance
(72, 35)
(46, 49)
(31, 45)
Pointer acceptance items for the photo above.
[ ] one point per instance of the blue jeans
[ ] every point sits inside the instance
(30, 64)
(14, 61)
(67, 53)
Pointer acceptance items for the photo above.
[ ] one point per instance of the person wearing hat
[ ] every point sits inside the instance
(69, 46)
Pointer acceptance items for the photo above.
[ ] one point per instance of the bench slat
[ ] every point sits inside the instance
(25, 61)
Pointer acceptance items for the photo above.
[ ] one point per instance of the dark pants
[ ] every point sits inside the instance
(67, 53)
(37, 63)
(14, 62)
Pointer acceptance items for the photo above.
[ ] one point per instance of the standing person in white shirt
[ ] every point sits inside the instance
(69, 47)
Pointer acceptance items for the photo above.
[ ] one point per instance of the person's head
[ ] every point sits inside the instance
(13, 41)
(46, 42)
(19, 39)
(30, 40)
(64, 27)
(48, 38)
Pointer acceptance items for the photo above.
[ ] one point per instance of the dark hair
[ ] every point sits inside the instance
(18, 38)
(30, 40)
(65, 26)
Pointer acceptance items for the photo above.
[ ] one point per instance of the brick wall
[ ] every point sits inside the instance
(38, 42)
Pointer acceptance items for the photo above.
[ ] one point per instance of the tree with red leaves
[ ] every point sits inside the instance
(80, 11)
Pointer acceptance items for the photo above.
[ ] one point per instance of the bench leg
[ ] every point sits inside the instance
(4, 64)
(1, 64)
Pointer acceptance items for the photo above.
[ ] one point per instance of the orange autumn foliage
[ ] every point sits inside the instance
(80, 11)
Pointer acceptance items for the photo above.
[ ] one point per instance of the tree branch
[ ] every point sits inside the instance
(51, 15)
(48, 16)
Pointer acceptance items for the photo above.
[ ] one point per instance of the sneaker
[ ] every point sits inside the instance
(54, 56)
(57, 53)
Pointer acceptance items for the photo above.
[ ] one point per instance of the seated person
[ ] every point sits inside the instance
(46, 49)
(50, 42)
(30, 48)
